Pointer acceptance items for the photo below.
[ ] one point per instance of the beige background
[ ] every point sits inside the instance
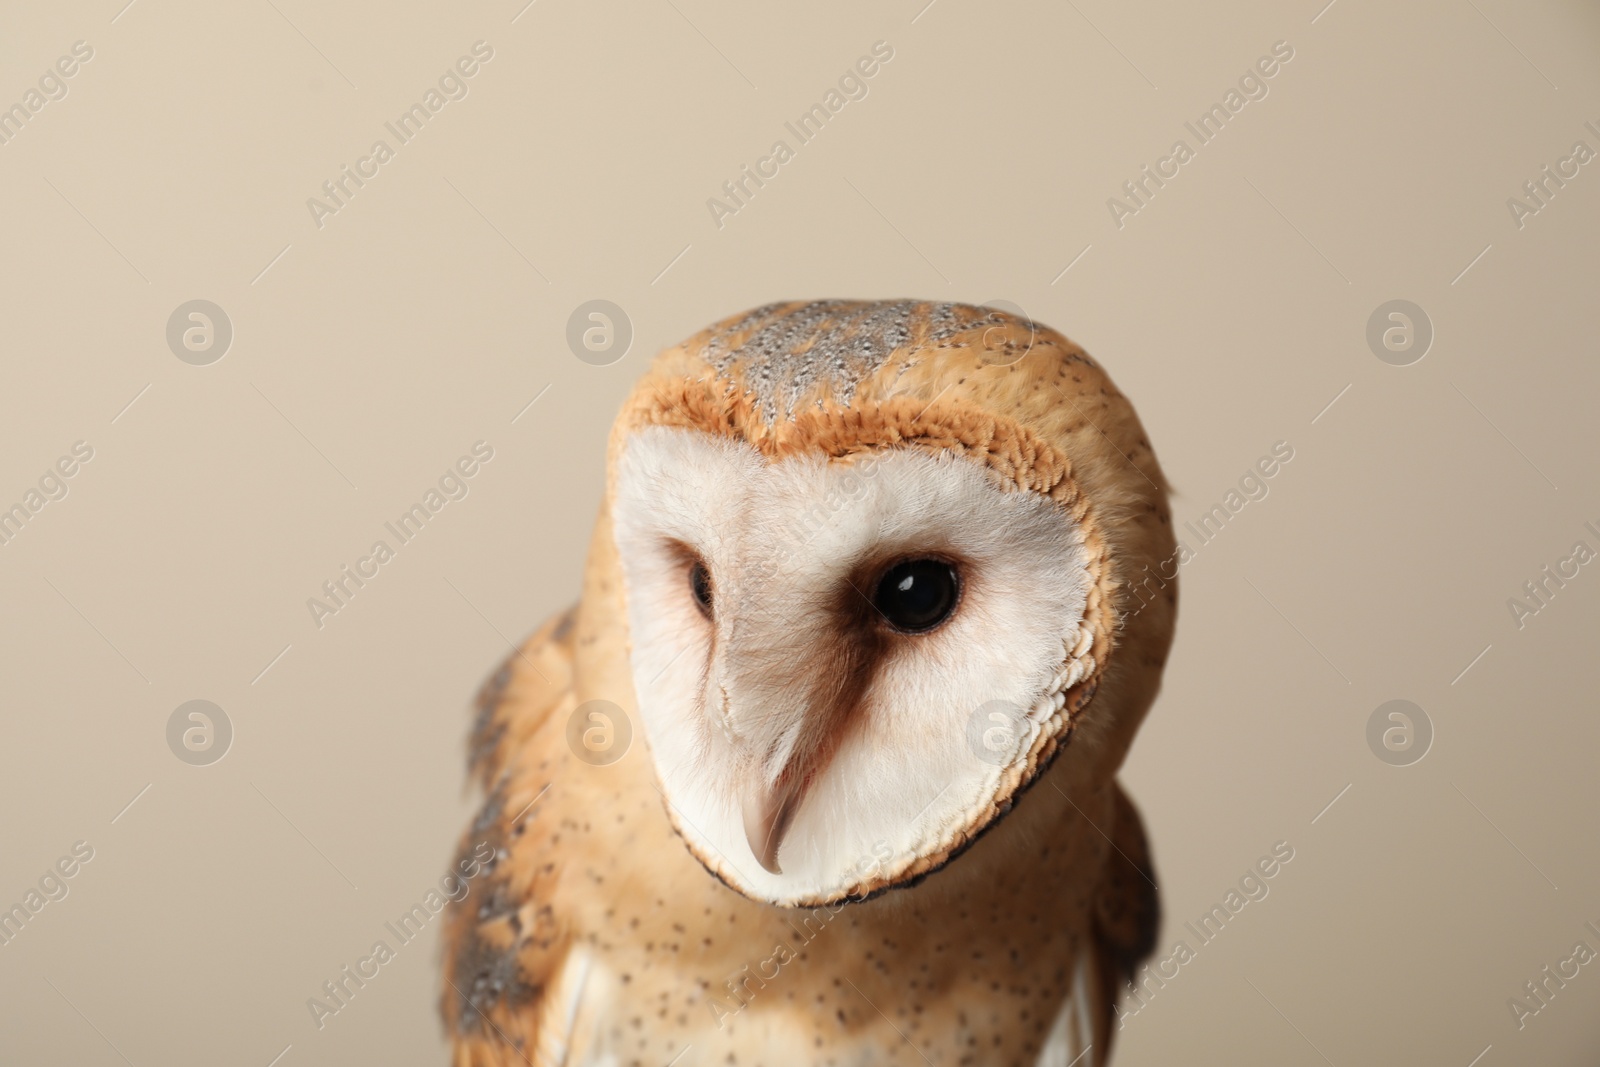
(426, 314)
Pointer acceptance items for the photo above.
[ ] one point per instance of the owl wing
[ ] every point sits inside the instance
(1127, 913)
(1123, 928)
(513, 987)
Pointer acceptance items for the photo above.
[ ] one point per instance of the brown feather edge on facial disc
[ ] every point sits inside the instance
(1016, 455)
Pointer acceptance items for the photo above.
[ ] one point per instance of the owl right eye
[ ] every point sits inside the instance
(700, 587)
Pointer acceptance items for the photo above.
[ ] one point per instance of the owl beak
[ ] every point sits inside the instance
(789, 734)
(768, 814)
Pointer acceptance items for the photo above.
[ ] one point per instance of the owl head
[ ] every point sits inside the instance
(880, 563)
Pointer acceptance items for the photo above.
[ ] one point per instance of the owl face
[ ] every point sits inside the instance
(867, 599)
(837, 660)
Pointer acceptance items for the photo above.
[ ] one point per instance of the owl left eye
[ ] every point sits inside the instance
(700, 587)
(918, 594)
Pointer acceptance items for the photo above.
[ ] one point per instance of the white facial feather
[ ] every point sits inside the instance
(782, 541)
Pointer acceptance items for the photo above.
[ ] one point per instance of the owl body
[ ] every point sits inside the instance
(817, 828)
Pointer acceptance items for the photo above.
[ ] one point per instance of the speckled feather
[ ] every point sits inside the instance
(827, 347)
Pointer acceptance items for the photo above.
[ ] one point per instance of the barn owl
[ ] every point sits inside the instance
(821, 767)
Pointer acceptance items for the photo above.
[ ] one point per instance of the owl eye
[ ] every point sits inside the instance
(918, 594)
(700, 587)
